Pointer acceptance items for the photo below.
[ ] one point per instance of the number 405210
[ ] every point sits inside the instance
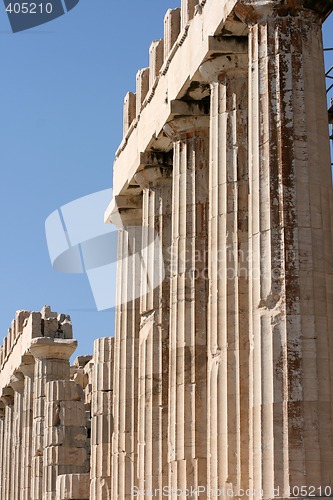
(29, 8)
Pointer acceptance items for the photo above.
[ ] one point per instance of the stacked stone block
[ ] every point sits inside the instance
(102, 419)
(73, 487)
(65, 441)
(51, 363)
(27, 368)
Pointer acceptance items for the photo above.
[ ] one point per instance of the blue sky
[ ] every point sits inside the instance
(60, 123)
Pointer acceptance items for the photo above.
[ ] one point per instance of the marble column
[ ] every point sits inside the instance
(7, 398)
(27, 368)
(102, 419)
(290, 240)
(51, 363)
(17, 384)
(73, 487)
(128, 219)
(156, 180)
(228, 402)
(65, 435)
(2, 442)
(188, 304)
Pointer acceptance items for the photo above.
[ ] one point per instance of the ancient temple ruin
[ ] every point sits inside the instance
(218, 381)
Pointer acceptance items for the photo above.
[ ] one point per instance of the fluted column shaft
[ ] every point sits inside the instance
(228, 403)
(27, 419)
(102, 419)
(17, 384)
(7, 487)
(51, 363)
(290, 251)
(188, 304)
(154, 331)
(2, 445)
(65, 446)
(127, 326)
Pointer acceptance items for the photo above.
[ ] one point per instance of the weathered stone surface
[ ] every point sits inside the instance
(125, 388)
(171, 29)
(129, 111)
(39, 353)
(228, 334)
(220, 372)
(142, 87)
(81, 361)
(249, 384)
(156, 57)
(102, 422)
(187, 11)
(156, 180)
(73, 487)
(27, 368)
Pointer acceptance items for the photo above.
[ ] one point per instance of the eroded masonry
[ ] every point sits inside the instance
(218, 380)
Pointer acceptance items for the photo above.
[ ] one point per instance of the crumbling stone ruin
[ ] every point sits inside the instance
(218, 381)
(55, 419)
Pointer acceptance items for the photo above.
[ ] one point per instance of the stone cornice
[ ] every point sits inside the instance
(231, 64)
(152, 176)
(187, 125)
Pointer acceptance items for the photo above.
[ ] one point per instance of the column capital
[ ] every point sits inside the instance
(252, 11)
(126, 210)
(17, 382)
(7, 396)
(187, 118)
(127, 217)
(48, 348)
(217, 69)
(27, 366)
(155, 159)
(153, 176)
(155, 169)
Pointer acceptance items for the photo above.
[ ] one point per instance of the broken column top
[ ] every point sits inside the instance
(81, 361)
(29, 325)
